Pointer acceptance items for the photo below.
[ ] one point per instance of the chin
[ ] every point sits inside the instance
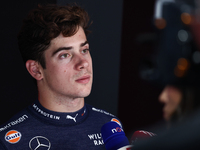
(87, 94)
(83, 94)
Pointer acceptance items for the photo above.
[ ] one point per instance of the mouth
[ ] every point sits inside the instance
(165, 115)
(84, 79)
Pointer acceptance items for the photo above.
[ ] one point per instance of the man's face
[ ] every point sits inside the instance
(68, 70)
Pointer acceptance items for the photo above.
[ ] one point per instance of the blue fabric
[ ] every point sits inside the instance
(37, 127)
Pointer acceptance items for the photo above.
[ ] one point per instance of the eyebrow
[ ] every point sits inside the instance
(83, 44)
(68, 48)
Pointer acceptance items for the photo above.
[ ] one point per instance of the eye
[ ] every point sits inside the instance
(65, 55)
(85, 51)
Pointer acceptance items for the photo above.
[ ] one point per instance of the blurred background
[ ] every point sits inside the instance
(118, 48)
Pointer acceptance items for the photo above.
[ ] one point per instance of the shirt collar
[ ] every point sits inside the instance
(58, 117)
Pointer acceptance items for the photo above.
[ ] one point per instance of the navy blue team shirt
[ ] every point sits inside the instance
(37, 128)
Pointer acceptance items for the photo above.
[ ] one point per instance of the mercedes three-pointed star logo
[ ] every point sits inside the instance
(38, 142)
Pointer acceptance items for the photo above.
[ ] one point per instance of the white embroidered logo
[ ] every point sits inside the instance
(73, 118)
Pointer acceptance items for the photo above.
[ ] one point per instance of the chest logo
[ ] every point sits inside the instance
(73, 118)
(13, 136)
(39, 142)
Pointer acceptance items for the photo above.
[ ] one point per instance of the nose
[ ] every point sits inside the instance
(163, 97)
(81, 63)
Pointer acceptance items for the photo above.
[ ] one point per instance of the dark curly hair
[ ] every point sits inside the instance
(44, 24)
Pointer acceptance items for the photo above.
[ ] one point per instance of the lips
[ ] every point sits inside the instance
(84, 79)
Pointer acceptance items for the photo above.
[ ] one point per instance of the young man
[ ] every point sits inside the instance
(55, 49)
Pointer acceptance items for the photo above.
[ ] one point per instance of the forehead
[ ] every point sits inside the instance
(77, 38)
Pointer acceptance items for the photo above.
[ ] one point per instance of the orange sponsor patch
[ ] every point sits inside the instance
(116, 120)
(13, 136)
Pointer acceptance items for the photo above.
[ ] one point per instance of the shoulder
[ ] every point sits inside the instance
(98, 111)
(101, 115)
(17, 120)
(11, 131)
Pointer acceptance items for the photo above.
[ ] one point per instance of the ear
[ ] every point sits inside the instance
(33, 68)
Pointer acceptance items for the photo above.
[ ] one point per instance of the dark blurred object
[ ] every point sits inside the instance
(177, 56)
(184, 136)
(141, 135)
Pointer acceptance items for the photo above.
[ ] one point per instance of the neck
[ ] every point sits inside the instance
(60, 103)
(53, 101)
(65, 105)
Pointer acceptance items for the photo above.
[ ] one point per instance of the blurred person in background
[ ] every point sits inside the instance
(176, 63)
(179, 102)
(176, 66)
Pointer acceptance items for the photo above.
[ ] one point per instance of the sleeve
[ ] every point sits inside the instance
(2, 146)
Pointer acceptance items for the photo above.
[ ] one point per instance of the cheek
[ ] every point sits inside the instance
(175, 98)
(172, 105)
(54, 67)
(90, 62)
(54, 71)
